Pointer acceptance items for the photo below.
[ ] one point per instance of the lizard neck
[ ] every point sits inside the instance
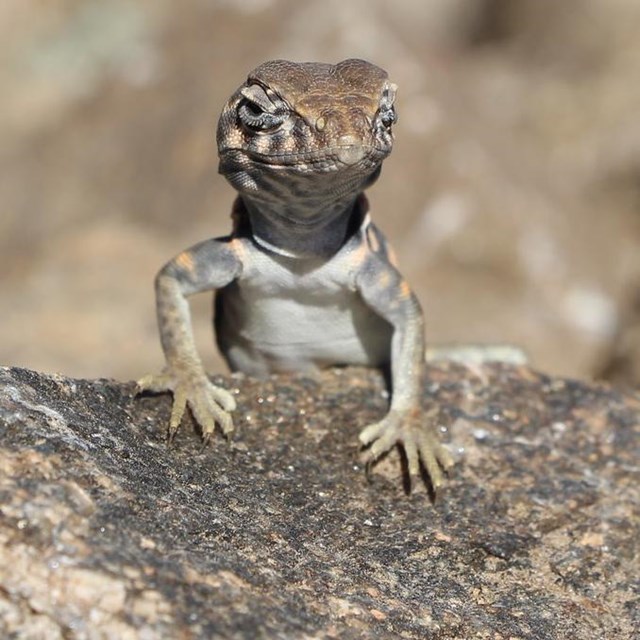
(320, 233)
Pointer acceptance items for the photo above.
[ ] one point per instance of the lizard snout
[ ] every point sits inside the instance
(350, 150)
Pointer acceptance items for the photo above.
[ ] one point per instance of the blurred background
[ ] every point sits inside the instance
(512, 196)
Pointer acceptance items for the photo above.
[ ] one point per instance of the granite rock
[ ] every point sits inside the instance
(108, 532)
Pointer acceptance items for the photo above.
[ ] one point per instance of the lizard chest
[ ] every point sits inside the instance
(292, 315)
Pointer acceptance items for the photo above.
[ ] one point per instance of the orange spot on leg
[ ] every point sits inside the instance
(185, 261)
(405, 289)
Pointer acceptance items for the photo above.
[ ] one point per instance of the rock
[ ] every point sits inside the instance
(108, 532)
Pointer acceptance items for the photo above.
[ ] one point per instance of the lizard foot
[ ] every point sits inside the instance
(209, 404)
(413, 430)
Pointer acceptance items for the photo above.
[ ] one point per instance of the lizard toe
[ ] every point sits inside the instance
(156, 383)
(375, 431)
(414, 432)
(209, 410)
(224, 398)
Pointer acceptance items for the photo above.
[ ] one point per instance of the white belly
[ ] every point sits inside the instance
(274, 319)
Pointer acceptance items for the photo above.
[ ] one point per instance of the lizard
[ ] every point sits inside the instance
(305, 280)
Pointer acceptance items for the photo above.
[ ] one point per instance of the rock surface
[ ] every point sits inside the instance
(108, 532)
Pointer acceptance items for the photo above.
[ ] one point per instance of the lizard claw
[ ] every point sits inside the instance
(421, 445)
(208, 403)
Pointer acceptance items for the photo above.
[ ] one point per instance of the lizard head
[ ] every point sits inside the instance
(300, 131)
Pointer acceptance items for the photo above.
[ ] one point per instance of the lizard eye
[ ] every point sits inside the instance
(386, 112)
(254, 118)
(388, 116)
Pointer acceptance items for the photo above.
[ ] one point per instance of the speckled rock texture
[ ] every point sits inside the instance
(107, 532)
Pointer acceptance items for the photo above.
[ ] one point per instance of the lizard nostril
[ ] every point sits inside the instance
(350, 149)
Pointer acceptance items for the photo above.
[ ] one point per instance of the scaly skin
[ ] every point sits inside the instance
(305, 280)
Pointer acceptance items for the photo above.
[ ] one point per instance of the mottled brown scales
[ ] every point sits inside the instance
(305, 280)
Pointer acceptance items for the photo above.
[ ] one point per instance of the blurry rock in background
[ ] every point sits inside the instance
(512, 196)
(621, 362)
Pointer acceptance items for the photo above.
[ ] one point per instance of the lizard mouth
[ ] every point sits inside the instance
(312, 177)
(327, 160)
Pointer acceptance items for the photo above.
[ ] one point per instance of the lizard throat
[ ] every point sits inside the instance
(278, 231)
